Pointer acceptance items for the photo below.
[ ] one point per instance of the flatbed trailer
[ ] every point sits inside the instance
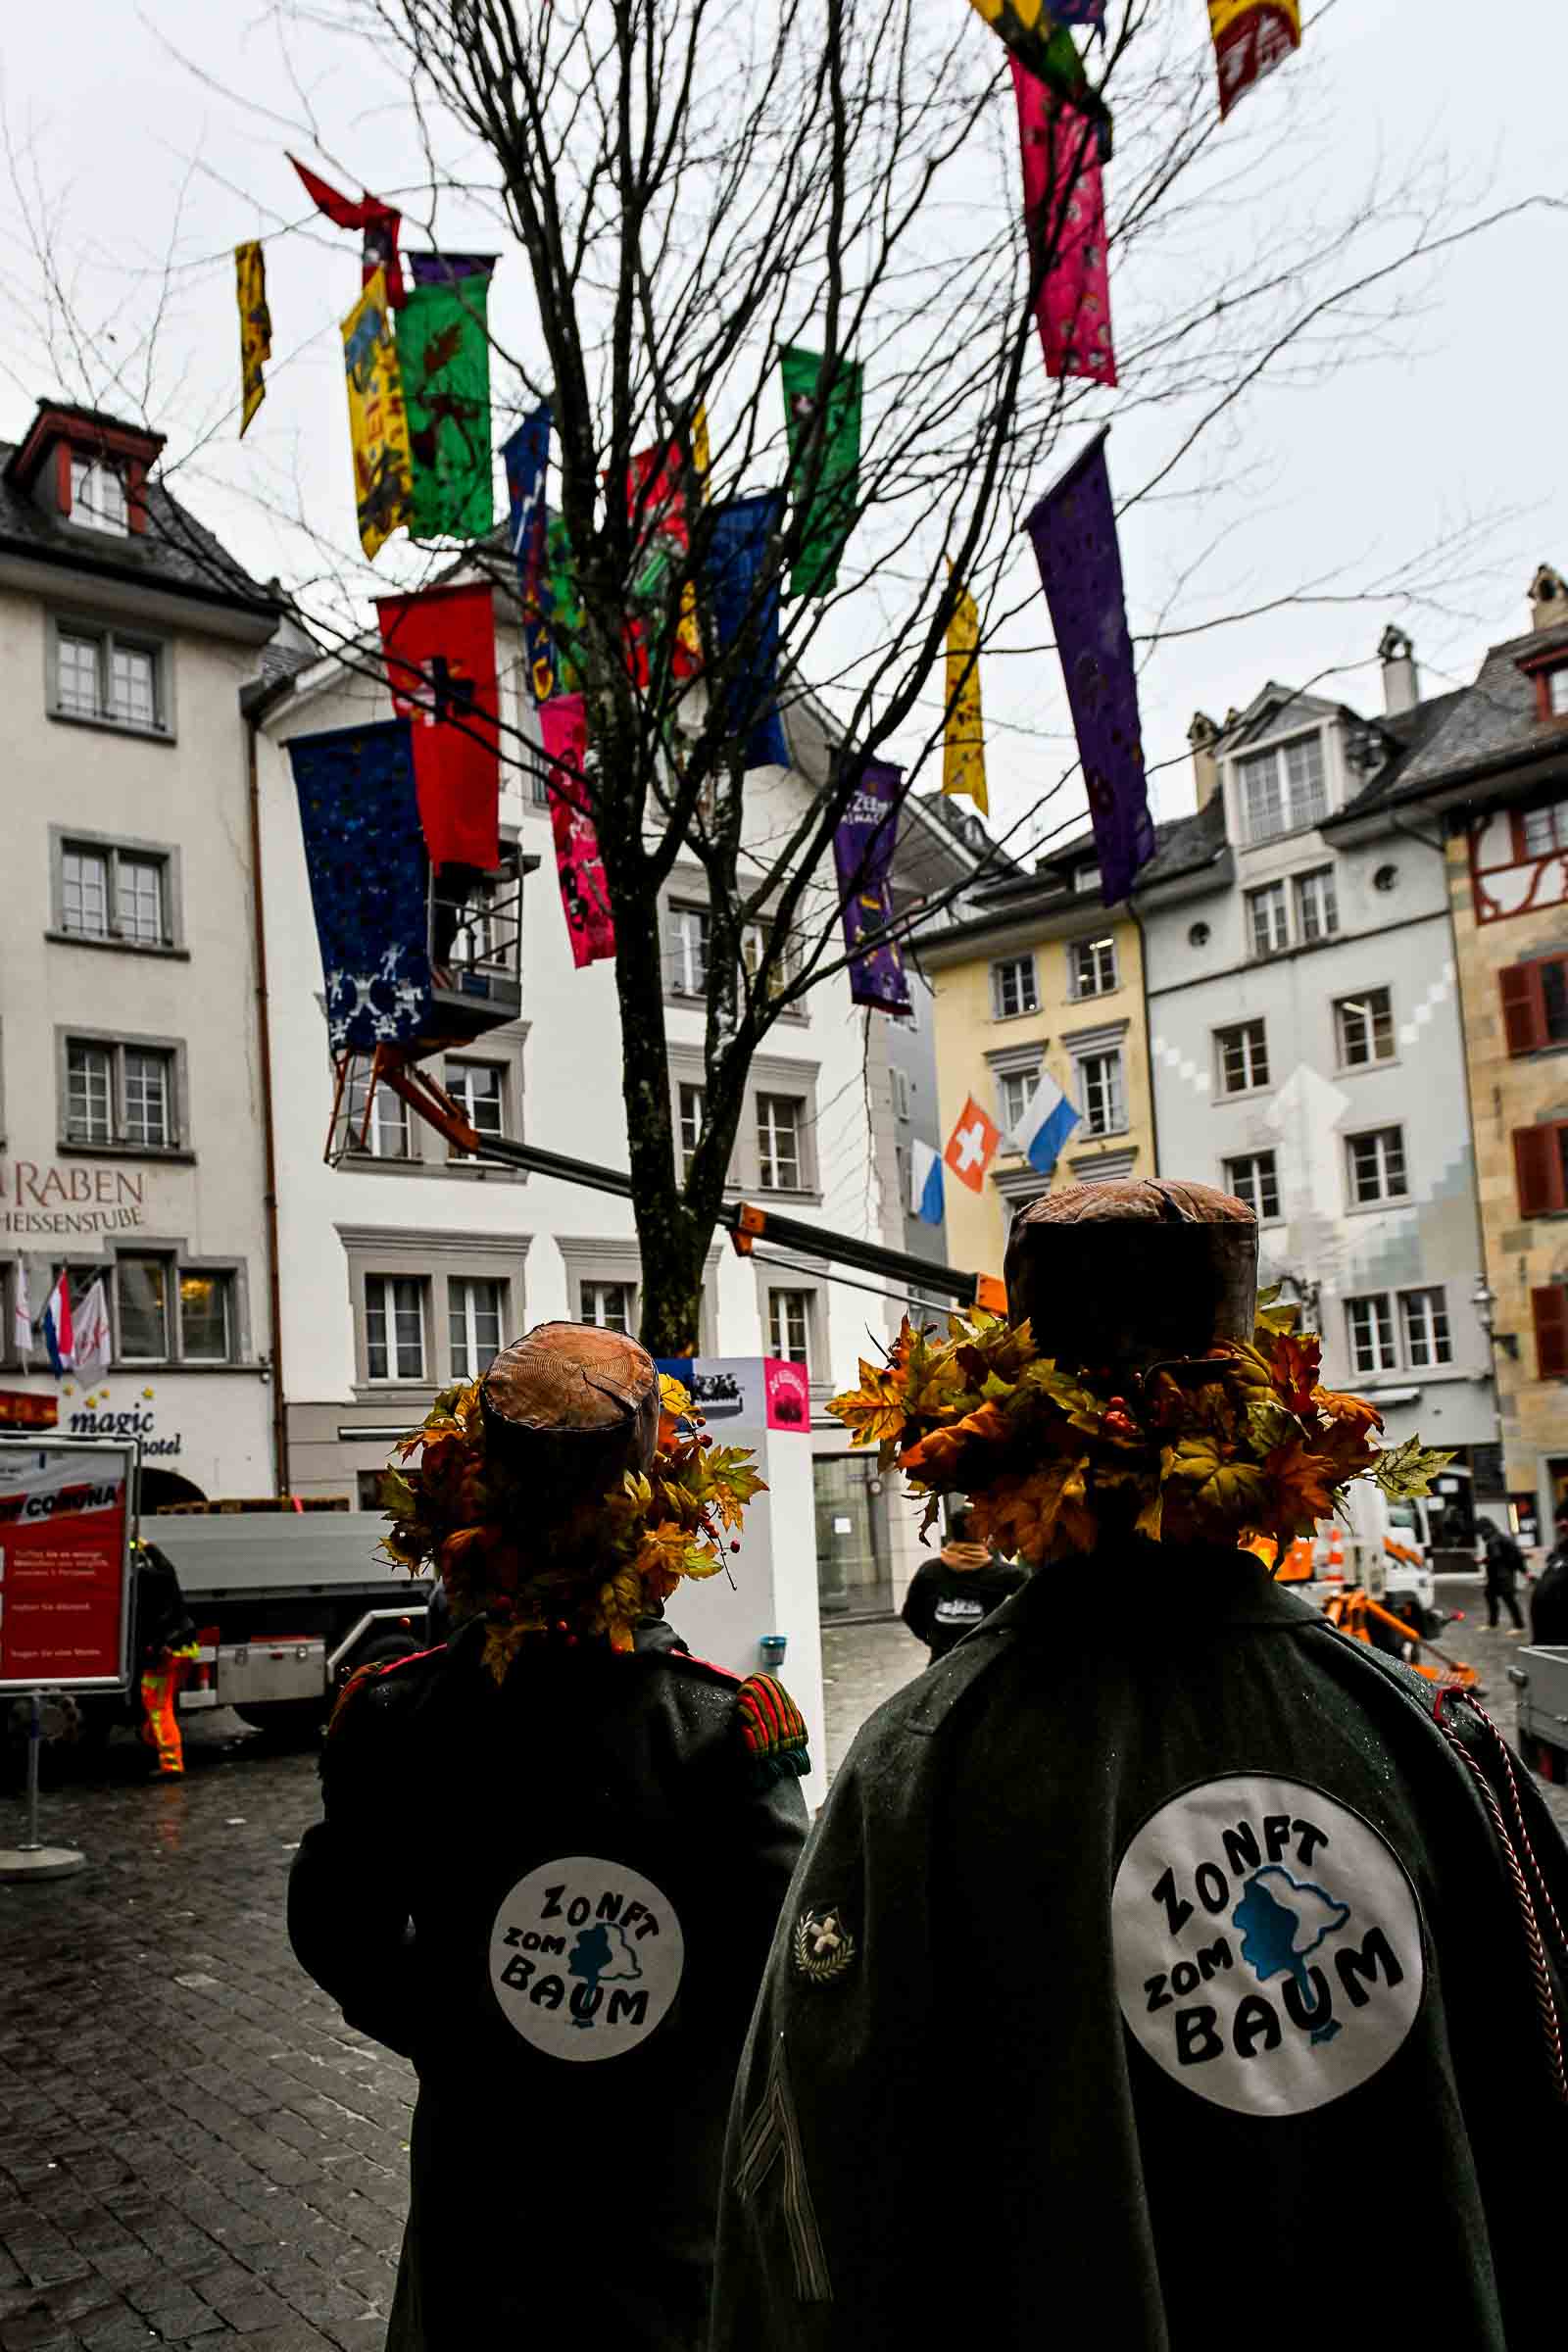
(1540, 1675)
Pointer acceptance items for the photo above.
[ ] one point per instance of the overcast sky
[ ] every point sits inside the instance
(1449, 429)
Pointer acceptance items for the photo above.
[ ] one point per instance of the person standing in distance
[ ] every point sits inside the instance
(949, 1596)
(553, 1856)
(1505, 1561)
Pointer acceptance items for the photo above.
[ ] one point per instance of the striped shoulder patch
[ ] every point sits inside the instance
(772, 1729)
(372, 1672)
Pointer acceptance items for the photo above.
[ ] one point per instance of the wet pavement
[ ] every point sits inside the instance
(193, 2147)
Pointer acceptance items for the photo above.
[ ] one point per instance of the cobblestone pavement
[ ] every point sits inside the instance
(193, 2147)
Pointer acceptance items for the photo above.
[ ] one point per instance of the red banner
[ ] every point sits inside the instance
(440, 655)
(656, 508)
(1064, 206)
(579, 869)
(63, 1565)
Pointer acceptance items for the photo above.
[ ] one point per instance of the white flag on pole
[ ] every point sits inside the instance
(90, 1330)
(22, 1317)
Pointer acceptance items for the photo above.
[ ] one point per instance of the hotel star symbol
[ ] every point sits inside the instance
(972, 1145)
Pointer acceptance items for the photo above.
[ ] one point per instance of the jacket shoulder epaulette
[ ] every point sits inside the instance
(375, 1675)
(772, 1731)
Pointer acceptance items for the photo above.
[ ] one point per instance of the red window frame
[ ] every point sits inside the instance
(1522, 989)
(1549, 1310)
(1538, 1159)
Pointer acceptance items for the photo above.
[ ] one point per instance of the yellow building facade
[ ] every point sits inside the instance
(1036, 978)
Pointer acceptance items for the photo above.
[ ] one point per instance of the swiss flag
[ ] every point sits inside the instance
(972, 1145)
(440, 654)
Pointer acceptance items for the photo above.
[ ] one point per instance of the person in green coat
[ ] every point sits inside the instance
(1164, 1967)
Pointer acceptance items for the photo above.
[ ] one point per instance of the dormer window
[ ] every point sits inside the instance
(1554, 691)
(98, 495)
(1283, 789)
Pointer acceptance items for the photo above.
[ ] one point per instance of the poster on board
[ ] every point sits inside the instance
(65, 1563)
(757, 1392)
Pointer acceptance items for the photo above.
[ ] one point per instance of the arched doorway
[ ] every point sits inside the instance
(162, 1488)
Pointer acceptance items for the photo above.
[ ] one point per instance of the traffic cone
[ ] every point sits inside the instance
(1335, 1569)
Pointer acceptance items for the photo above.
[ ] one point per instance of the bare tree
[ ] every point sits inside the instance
(693, 184)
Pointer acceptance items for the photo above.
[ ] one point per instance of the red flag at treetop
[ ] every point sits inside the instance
(579, 867)
(379, 223)
(1064, 208)
(440, 654)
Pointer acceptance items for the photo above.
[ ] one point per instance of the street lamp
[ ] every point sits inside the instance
(1300, 1289)
(1484, 1298)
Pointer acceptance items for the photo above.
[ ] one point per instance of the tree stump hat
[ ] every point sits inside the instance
(1117, 1278)
(569, 1407)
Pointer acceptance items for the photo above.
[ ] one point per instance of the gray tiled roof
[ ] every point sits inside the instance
(1492, 723)
(174, 552)
(1186, 845)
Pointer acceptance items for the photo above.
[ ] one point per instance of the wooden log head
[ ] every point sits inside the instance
(570, 1408)
(1117, 1277)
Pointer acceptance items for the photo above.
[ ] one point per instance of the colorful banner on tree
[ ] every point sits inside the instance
(746, 623)
(525, 455)
(365, 855)
(1064, 210)
(255, 328)
(378, 426)
(565, 605)
(1037, 38)
(656, 508)
(862, 858)
(443, 352)
(963, 738)
(440, 654)
(829, 515)
(1250, 38)
(579, 869)
(379, 223)
(1074, 531)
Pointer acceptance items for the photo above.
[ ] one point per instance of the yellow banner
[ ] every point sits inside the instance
(963, 742)
(255, 328)
(378, 421)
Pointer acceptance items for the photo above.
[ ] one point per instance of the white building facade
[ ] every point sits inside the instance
(131, 1115)
(1307, 1052)
(407, 1265)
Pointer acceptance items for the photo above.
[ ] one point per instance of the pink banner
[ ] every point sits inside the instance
(579, 869)
(1065, 207)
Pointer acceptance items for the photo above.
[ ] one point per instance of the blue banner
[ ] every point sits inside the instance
(746, 627)
(365, 853)
(525, 456)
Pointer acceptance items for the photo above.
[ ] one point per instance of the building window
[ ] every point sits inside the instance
(98, 495)
(119, 1094)
(1534, 1003)
(1377, 1166)
(1087, 875)
(693, 1103)
(473, 1324)
(1363, 1027)
(1540, 1166)
(900, 1093)
(1012, 988)
(1371, 1328)
(689, 929)
(394, 1326)
(387, 1135)
(541, 787)
(100, 674)
(1093, 963)
(1015, 1090)
(1427, 1340)
(1549, 1310)
(1317, 907)
(789, 1326)
(1546, 829)
(1102, 1092)
(1255, 1179)
(368, 1485)
(1284, 788)
(206, 1317)
(606, 1304)
(778, 1142)
(479, 1089)
(1558, 692)
(1266, 923)
(141, 1309)
(756, 940)
(1242, 1057)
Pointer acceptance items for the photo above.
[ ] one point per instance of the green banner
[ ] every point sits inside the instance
(565, 608)
(444, 354)
(830, 517)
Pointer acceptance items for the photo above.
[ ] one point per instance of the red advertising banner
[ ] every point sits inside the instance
(63, 1564)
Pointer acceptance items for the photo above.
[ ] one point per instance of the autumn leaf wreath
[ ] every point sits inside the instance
(1248, 1449)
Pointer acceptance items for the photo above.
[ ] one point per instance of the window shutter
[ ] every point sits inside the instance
(1538, 1164)
(1551, 1310)
(1523, 1014)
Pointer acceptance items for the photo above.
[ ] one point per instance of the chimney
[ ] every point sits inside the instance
(1401, 681)
(1203, 735)
(1549, 599)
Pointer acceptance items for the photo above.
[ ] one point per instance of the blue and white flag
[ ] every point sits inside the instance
(58, 1336)
(1046, 1125)
(926, 1181)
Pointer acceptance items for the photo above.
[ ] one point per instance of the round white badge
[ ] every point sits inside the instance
(1268, 1944)
(585, 1958)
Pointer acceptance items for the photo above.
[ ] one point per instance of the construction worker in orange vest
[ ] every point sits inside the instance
(162, 1646)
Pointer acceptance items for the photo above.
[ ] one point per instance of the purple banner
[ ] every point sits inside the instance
(447, 268)
(862, 854)
(1074, 531)
(1079, 11)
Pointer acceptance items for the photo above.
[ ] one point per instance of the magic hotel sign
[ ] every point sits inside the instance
(42, 1201)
